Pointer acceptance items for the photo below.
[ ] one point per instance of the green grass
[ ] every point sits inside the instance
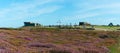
(114, 49)
(100, 27)
(110, 28)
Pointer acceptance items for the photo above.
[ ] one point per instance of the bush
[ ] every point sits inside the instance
(103, 36)
(59, 51)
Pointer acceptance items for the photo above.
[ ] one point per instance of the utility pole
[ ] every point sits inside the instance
(75, 25)
(70, 25)
(59, 23)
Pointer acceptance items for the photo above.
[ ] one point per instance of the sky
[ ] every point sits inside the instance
(48, 12)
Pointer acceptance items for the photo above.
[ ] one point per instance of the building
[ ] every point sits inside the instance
(110, 24)
(84, 23)
(31, 24)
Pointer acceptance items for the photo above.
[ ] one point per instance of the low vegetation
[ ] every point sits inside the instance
(55, 40)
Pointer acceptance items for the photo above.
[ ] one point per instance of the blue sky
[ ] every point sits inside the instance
(14, 12)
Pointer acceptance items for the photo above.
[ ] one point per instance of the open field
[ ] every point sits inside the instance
(46, 40)
(107, 28)
(104, 28)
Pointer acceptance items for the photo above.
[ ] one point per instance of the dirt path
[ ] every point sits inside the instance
(101, 29)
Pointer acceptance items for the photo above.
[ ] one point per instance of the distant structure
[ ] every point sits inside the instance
(84, 23)
(117, 25)
(110, 24)
(59, 23)
(31, 24)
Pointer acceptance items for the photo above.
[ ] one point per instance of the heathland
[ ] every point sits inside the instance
(55, 40)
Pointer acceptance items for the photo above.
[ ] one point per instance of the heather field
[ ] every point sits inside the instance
(60, 26)
(58, 41)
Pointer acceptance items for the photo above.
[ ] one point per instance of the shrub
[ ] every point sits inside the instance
(59, 51)
(41, 45)
(103, 36)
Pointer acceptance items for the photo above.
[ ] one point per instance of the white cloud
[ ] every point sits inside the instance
(22, 10)
(94, 8)
(79, 17)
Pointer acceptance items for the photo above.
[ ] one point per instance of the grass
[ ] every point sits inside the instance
(97, 27)
(100, 27)
(114, 49)
(109, 28)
